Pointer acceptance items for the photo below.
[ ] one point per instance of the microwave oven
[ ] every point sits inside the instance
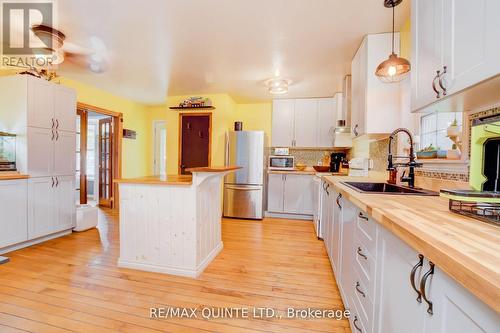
(277, 162)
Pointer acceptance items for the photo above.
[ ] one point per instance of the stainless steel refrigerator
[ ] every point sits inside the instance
(244, 189)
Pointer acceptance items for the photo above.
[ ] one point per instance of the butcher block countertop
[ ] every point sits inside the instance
(7, 175)
(466, 249)
(214, 169)
(158, 180)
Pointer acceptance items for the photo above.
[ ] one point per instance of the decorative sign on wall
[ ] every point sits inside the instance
(129, 134)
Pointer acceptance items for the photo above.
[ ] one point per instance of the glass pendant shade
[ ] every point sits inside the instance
(393, 69)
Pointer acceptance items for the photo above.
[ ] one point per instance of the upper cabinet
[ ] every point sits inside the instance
(375, 105)
(455, 46)
(305, 122)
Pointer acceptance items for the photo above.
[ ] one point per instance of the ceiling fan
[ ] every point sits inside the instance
(56, 46)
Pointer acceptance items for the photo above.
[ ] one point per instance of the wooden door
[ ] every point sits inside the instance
(195, 141)
(106, 162)
(283, 123)
(306, 123)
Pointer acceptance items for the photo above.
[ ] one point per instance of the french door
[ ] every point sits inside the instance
(106, 162)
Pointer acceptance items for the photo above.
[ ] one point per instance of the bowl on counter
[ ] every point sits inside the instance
(322, 168)
(300, 166)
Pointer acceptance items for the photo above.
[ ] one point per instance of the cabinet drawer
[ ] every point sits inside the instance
(363, 301)
(366, 232)
(357, 320)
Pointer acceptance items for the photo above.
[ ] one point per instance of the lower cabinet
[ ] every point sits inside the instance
(51, 206)
(374, 270)
(290, 194)
(13, 207)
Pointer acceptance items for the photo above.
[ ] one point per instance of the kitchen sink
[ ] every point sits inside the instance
(385, 188)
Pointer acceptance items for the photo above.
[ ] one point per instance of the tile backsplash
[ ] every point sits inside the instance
(308, 157)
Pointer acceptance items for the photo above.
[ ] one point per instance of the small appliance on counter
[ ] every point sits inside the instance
(7, 152)
(359, 167)
(336, 161)
(483, 201)
(281, 162)
(281, 151)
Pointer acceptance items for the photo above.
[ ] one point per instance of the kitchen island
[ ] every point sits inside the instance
(171, 224)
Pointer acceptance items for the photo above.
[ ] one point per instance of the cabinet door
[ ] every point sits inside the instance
(427, 27)
(327, 118)
(42, 219)
(275, 188)
(397, 308)
(470, 42)
(283, 123)
(298, 194)
(13, 205)
(64, 153)
(337, 203)
(40, 103)
(457, 310)
(65, 109)
(325, 218)
(358, 90)
(306, 122)
(41, 152)
(65, 203)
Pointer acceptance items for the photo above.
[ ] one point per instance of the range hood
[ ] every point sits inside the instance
(342, 134)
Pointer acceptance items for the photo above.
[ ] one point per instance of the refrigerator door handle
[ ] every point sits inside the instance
(227, 149)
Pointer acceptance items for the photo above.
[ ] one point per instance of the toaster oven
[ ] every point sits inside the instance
(277, 162)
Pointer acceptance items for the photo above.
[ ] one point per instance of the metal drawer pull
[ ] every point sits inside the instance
(412, 277)
(52, 123)
(438, 94)
(445, 68)
(57, 182)
(53, 135)
(361, 216)
(355, 325)
(338, 200)
(52, 181)
(423, 282)
(361, 254)
(57, 124)
(359, 290)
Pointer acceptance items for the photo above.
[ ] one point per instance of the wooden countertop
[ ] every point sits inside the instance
(307, 171)
(214, 169)
(466, 249)
(158, 180)
(7, 175)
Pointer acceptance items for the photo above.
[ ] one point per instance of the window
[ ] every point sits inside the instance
(433, 129)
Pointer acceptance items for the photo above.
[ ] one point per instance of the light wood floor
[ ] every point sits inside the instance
(73, 283)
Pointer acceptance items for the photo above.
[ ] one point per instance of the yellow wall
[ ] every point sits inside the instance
(405, 35)
(136, 160)
(254, 117)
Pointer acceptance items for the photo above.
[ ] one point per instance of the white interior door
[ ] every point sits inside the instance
(41, 152)
(160, 147)
(65, 109)
(64, 152)
(306, 122)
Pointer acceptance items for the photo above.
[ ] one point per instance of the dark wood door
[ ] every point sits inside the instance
(195, 141)
(105, 162)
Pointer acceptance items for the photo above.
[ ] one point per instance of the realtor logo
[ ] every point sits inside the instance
(20, 47)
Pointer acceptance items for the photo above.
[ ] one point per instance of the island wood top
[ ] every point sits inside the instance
(465, 248)
(7, 175)
(214, 169)
(158, 180)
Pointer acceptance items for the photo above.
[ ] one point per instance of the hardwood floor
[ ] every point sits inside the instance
(72, 284)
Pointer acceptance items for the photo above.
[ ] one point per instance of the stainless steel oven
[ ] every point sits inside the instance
(281, 162)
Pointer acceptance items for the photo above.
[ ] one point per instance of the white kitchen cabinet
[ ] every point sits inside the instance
(306, 123)
(336, 232)
(459, 35)
(283, 123)
(64, 147)
(13, 207)
(375, 106)
(51, 205)
(65, 99)
(42, 218)
(275, 190)
(290, 194)
(40, 152)
(298, 194)
(40, 96)
(326, 216)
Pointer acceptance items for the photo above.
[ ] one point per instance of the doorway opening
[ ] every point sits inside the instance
(159, 148)
(195, 141)
(99, 136)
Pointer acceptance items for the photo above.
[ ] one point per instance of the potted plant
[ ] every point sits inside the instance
(427, 152)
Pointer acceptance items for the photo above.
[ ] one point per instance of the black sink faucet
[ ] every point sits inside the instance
(412, 164)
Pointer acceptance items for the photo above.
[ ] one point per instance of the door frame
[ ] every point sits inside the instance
(83, 108)
(195, 114)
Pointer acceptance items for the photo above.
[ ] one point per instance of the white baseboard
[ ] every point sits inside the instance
(34, 241)
(288, 216)
(193, 273)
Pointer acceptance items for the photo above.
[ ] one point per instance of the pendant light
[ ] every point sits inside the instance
(395, 68)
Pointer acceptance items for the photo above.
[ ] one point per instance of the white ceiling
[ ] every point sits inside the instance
(213, 46)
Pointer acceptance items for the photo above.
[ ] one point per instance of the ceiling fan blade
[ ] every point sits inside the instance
(73, 48)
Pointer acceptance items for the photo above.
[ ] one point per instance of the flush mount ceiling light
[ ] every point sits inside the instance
(395, 68)
(278, 86)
